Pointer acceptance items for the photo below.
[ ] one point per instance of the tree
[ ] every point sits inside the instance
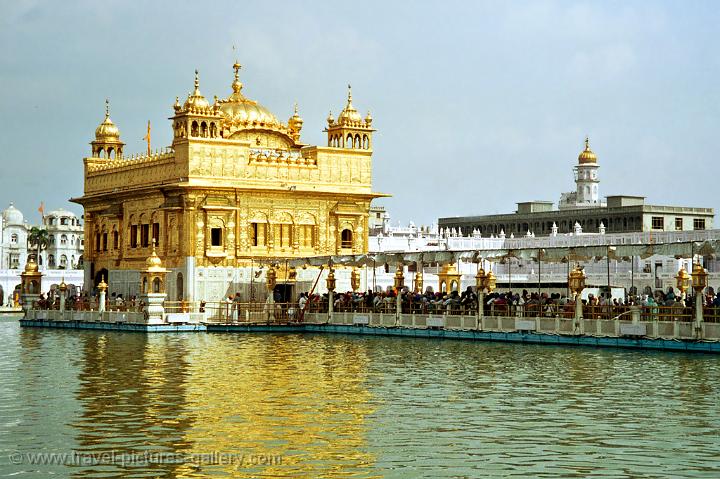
(38, 239)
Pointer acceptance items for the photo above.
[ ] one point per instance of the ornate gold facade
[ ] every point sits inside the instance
(235, 185)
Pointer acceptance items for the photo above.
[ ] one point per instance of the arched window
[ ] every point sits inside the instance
(213, 130)
(63, 240)
(72, 261)
(101, 153)
(63, 261)
(204, 129)
(111, 152)
(194, 129)
(14, 238)
(51, 260)
(349, 141)
(366, 142)
(346, 238)
(356, 142)
(51, 239)
(156, 285)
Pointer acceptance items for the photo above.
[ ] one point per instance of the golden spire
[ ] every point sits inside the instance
(237, 84)
(349, 103)
(107, 109)
(197, 82)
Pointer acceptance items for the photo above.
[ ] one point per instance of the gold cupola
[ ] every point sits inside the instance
(295, 124)
(107, 130)
(350, 130)
(349, 115)
(107, 142)
(196, 102)
(587, 155)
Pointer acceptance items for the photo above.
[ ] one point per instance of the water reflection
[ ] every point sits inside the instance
(131, 390)
(291, 397)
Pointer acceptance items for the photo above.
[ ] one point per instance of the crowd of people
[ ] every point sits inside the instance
(509, 303)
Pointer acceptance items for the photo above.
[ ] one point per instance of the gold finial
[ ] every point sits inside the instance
(296, 108)
(102, 286)
(587, 142)
(237, 84)
(349, 94)
(197, 80)
(107, 108)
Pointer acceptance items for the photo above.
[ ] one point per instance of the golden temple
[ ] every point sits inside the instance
(237, 186)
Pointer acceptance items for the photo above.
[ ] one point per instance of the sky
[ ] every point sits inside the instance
(477, 105)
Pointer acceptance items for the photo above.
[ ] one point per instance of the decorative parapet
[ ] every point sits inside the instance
(163, 154)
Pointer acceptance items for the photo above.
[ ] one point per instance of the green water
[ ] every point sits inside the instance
(232, 405)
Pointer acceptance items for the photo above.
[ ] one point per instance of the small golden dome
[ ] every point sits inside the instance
(295, 122)
(196, 100)
(107, 130)
(330, 118)
(349, 113)
(102, 285)
(31, 266)
(587, 156)
(153, 261)
(368, 119)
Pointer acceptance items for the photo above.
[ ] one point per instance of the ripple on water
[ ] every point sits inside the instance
(336, 406)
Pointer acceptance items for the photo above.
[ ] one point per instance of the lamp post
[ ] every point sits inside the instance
(399, 284)
(354, 279)
(480, 279)
(682, 281)
(62, 287)
(270, 282)
(419, 277)
(331, 288)
(102, 288)
(610, 250)
(576, 283)
(699, 283)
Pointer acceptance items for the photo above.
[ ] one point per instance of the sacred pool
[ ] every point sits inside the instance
(85, 404)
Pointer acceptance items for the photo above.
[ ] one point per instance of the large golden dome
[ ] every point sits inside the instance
(238, 109)
(587, 155)
(107, 130)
